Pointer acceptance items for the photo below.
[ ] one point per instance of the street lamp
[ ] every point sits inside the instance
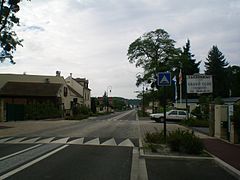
(109, 88)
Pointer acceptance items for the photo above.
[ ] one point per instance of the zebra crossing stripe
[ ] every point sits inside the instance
(68, 140)
(45, 140)
(93, 142)
(32, 140)
(5, 139)
(110, 142)
(127, 143)
(60, 141)
(18, 140)
(76, 141)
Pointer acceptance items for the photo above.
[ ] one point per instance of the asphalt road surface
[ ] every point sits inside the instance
(99, 148)
(80, 162)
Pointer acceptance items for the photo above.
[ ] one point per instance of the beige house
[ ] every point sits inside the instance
(20, 89)
(80, 85)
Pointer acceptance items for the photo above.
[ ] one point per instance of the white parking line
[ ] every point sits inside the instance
(10, 173)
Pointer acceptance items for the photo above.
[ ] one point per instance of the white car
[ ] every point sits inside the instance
(175, 115)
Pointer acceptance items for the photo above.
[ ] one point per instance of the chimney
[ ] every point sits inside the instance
(58, 73)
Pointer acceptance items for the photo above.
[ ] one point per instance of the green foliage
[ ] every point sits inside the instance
(79, 113)
(81, 110)
(8, 37)
(218, 100)
(42, 111)
(185, 142)
(188, 66)
(156, 137)
(119, 104)
(197, 112)
(236, 115)
(191, 122)
(234, 75)
(153, 51)
(178, 140)
(204, 102)
(216, 65)
(142, 114)
(94, 103)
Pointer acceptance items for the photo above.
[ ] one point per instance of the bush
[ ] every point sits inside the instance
(154, 137)
(42, 111)
(185, 142)
(142, 114)
(195, 122)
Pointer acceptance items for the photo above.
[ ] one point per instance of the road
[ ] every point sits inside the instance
(104, 147)
(97, 148)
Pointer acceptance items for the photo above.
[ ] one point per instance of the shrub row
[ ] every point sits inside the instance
(179, 140)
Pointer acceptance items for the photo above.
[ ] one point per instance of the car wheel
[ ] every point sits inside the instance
(157, 120)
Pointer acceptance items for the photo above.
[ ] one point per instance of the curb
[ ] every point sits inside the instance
(153, 156)
(230, 169)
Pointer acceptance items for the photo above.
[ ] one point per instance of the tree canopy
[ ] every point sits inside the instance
(8, 37)
(187, 64)
(216, 65)
(154, 51)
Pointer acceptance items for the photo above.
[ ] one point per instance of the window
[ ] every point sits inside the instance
(173, 113)
(182, 113)
(65, 91)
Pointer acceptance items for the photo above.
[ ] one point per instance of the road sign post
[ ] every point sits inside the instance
(164, 79)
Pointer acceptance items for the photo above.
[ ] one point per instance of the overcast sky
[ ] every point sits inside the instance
(90, 38)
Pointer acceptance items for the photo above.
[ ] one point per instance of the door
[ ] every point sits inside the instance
(14, 112)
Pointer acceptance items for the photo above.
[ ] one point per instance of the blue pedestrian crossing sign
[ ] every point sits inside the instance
(164, 79)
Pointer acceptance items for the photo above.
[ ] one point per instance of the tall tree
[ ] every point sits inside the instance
(216, 65)
(153, 51)
(234, 79)
(8, 37)
(188, 64)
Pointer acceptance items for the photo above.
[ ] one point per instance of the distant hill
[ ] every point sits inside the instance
(134, 102)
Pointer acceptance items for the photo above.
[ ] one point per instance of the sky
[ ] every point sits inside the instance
(90, 38)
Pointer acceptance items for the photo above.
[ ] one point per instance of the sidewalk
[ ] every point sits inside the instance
(229, 153)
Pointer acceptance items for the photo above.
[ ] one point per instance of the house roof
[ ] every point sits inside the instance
(75, 92)
(30, 89)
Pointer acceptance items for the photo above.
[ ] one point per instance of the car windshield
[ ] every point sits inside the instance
(173, 113)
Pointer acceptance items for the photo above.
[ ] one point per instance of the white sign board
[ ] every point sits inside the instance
(199, 83)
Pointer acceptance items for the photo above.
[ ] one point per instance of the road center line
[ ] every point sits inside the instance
(10, 173)
(19, 152)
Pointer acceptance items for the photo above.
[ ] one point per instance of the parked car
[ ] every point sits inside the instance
(175, 115)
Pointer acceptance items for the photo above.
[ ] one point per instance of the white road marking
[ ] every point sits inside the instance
(76, 141)
(46, 140)
(110, 142)
(15, 140)
(30, 140)
(61, 141)
(19, 152)
(5, 139)
(64, 140)
(93, 142)
(126, 142)
(10, 173)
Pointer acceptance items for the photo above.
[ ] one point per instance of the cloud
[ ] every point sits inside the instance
(90, 38)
